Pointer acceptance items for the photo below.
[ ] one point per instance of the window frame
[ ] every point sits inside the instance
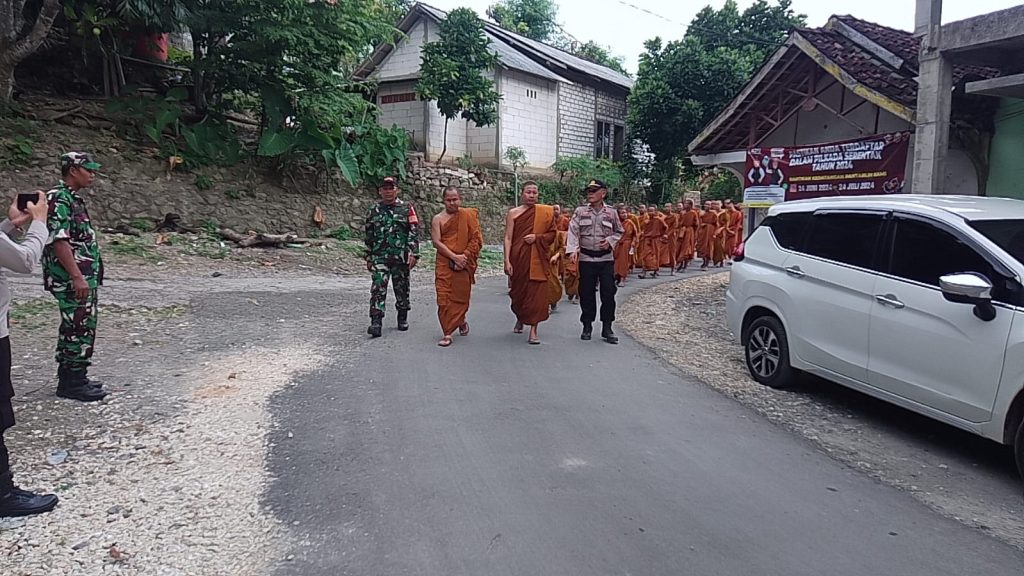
(876, 255)
(609, 140)
(1016, 298)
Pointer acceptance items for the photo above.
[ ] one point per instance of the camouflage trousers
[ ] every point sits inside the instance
(77, 333)
(382, 274)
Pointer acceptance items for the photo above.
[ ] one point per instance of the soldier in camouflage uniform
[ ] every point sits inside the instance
(72, 272)
(392, 237)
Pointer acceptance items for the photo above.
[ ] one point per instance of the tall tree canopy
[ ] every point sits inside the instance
(535, 19)
(682, 85)
(452, 72)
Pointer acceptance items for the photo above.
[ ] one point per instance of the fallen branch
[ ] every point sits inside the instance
(260, 239)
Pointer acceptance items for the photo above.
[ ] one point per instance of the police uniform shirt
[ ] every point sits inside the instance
(588, 228)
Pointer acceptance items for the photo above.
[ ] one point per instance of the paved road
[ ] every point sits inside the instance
(572, 458)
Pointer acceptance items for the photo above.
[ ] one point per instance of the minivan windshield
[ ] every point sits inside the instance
(1007, 234)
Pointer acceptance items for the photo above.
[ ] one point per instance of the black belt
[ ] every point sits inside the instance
(595, 253)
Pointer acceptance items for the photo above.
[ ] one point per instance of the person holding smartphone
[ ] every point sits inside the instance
(73, 273)
(18, 258)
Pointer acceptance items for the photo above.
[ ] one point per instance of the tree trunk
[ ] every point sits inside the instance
(198, 76)
(444, 142)
(6, 83)
(17, 49)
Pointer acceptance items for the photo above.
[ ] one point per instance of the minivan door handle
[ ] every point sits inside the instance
(795, 272)
(889, 300)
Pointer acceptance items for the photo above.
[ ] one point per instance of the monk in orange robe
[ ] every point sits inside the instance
(738, 226)
(718, 249)
(561, 219)
(655, 232)
(555, 253)
(635, 219)
(689, 221)
(456, 236)
(732, 234)
(529, 233)
(706, 234)
(667, 255)
(626, 248)
(572, 280)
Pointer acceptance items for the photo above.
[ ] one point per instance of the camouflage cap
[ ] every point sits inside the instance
(78, 159)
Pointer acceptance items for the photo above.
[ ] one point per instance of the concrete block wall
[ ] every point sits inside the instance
(408, 115)
(529, 117)
(482, 141)
(404, 61)
(576, 110)
(436, 138)
(610, 108)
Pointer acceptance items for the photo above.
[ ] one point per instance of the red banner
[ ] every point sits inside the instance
(873, 165)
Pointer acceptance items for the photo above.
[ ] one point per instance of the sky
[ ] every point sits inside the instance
(615, 23)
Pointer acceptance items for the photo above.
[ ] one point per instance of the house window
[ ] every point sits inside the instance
(531, 93)
(609, 140)
(397, 98)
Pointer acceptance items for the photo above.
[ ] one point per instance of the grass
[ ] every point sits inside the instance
(133, 247)
(32, 309)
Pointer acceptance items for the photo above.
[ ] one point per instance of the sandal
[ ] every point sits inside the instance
(533, 342)
(445, 342)
(518, 328)
(464, 329)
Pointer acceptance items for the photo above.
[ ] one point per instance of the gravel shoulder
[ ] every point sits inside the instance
(957, 474)
(167, 476)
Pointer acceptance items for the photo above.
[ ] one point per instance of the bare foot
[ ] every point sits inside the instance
(518, 329)
(534, 339)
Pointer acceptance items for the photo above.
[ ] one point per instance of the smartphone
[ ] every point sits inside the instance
(24, 199)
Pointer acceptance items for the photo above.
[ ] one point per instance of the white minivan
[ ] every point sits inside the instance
(917, 300)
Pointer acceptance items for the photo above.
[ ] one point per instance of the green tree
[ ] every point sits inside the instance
(535, 19)
(452, 72)
(23, 28)
(682, 85)
(598, 54)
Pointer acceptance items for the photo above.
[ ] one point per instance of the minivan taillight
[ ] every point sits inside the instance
(737, 253)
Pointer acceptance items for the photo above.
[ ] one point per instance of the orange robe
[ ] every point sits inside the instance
(554, 280)
(572, 278)
(687, 236)
(706, 233)
(732, 235)
(636, 242)
(739, 228)
(461, 234)
(623, 258)
(563, 223)
(528, 284)
(718, 251)
(667, 251)
(654, 233)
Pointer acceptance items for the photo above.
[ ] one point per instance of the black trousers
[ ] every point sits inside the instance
(593, 274)
(6, 413)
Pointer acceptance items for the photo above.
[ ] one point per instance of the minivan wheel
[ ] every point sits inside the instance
(767, 352)
(1018, 448)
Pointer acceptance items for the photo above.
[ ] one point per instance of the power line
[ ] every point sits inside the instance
(710, 31)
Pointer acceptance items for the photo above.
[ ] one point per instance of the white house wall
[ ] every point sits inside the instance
(404, 61)
(529, 117)
(408, 115)
(436, 139)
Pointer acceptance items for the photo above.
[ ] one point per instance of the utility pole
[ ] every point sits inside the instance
(934, 101)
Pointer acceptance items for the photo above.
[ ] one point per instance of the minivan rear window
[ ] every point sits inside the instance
(848, 238)
(789, 228)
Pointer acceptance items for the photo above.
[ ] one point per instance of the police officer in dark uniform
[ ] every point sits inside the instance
(594, 230)
(392, 236)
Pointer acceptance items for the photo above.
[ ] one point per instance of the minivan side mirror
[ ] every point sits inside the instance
(970, 288)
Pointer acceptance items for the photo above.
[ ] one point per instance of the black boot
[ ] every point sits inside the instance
(588, 330)
(608, 335)
(403, 320)
(74, 384)
(17, 502)
(375, 327)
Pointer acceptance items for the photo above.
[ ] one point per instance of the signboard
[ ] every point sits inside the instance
(872, 165)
